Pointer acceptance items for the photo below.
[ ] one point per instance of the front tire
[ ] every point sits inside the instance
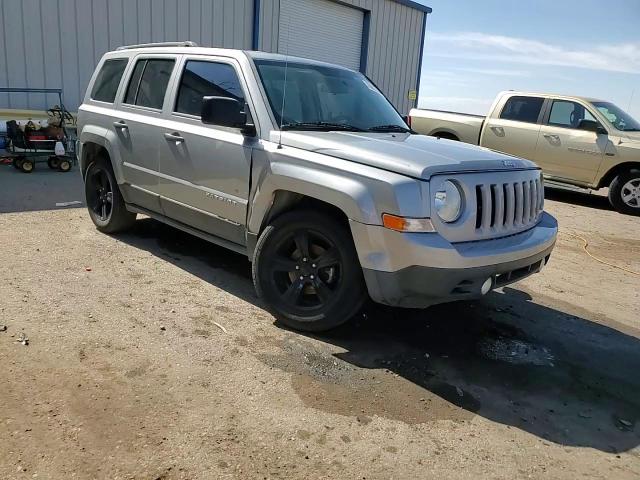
(27, 165)
(306, 268)
(106, 206)
(65, 165)
(624, 192)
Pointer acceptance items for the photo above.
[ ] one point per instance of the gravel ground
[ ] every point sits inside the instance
(150, 357)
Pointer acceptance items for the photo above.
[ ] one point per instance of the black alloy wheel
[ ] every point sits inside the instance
(105, 203)
(306, 268)
(99, 194)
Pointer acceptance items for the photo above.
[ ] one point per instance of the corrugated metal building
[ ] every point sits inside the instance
(57, 43)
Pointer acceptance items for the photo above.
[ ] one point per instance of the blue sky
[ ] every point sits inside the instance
(474, 49)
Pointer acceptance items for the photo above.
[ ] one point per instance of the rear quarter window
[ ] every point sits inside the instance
(108, 80)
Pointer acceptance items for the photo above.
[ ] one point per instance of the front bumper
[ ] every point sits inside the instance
(422, 269)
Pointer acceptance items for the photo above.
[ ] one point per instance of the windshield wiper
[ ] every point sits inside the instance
(389, 128)
(324, 126)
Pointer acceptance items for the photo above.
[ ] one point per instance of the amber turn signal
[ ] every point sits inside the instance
(405, 224)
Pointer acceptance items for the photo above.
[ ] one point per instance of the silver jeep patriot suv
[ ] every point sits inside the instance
(307, 169)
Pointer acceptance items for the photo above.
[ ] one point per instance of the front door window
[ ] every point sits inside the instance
(568, 114)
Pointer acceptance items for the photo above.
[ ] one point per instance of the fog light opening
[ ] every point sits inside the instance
(486, 286)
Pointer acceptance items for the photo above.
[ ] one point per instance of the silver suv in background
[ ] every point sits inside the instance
(309, 171)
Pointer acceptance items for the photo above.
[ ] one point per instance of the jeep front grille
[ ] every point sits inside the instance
(496, 204)
(501, 206)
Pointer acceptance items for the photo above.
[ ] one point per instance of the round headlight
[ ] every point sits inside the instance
(448, 202)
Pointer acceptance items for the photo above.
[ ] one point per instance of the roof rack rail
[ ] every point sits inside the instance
(159, 44)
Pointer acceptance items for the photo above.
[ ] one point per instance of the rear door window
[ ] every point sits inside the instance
(148, 83)
(204, 79)
(108, 80)
(522, 109)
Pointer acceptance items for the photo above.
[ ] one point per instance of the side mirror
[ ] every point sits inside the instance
(591, 126)
(225, 112)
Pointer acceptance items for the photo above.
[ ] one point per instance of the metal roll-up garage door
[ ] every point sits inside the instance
(322, 30)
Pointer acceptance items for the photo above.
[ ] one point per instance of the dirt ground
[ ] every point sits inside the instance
(150, 357)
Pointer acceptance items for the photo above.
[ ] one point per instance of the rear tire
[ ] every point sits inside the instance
(624, 192)
(306, 269)
(17, 162)
(106, 206)
(53, 162)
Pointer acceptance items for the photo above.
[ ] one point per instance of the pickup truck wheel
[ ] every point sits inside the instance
(306, 269)
(105, 203)
(624, 192)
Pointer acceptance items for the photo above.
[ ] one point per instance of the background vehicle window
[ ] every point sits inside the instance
(522, 109)
(148, 83)
(204, 79)
(108, 80)
(568, 114)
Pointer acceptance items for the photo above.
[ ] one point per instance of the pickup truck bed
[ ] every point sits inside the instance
(451, 125)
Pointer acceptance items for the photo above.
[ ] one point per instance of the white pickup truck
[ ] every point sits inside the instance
(577, 141)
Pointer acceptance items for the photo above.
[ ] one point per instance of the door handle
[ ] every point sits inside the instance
(499, 131)
(174, 137)
(120, 125)
(551, 137)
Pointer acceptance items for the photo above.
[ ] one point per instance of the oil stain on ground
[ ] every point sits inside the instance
(326, 382)
(508, 359)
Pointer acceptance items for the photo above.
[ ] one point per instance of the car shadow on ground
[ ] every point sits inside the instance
(577, 198)
(508, 358)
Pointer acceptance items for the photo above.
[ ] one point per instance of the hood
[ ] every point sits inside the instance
(416, 156)
(631, 137)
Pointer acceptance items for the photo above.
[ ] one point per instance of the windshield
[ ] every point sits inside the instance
(617, 117)
(325, 98)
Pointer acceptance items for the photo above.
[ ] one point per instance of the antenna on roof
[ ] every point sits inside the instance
(284, 88)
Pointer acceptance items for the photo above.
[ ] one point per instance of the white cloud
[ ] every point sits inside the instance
(479, 46)
(444, 78)
(495, 72)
